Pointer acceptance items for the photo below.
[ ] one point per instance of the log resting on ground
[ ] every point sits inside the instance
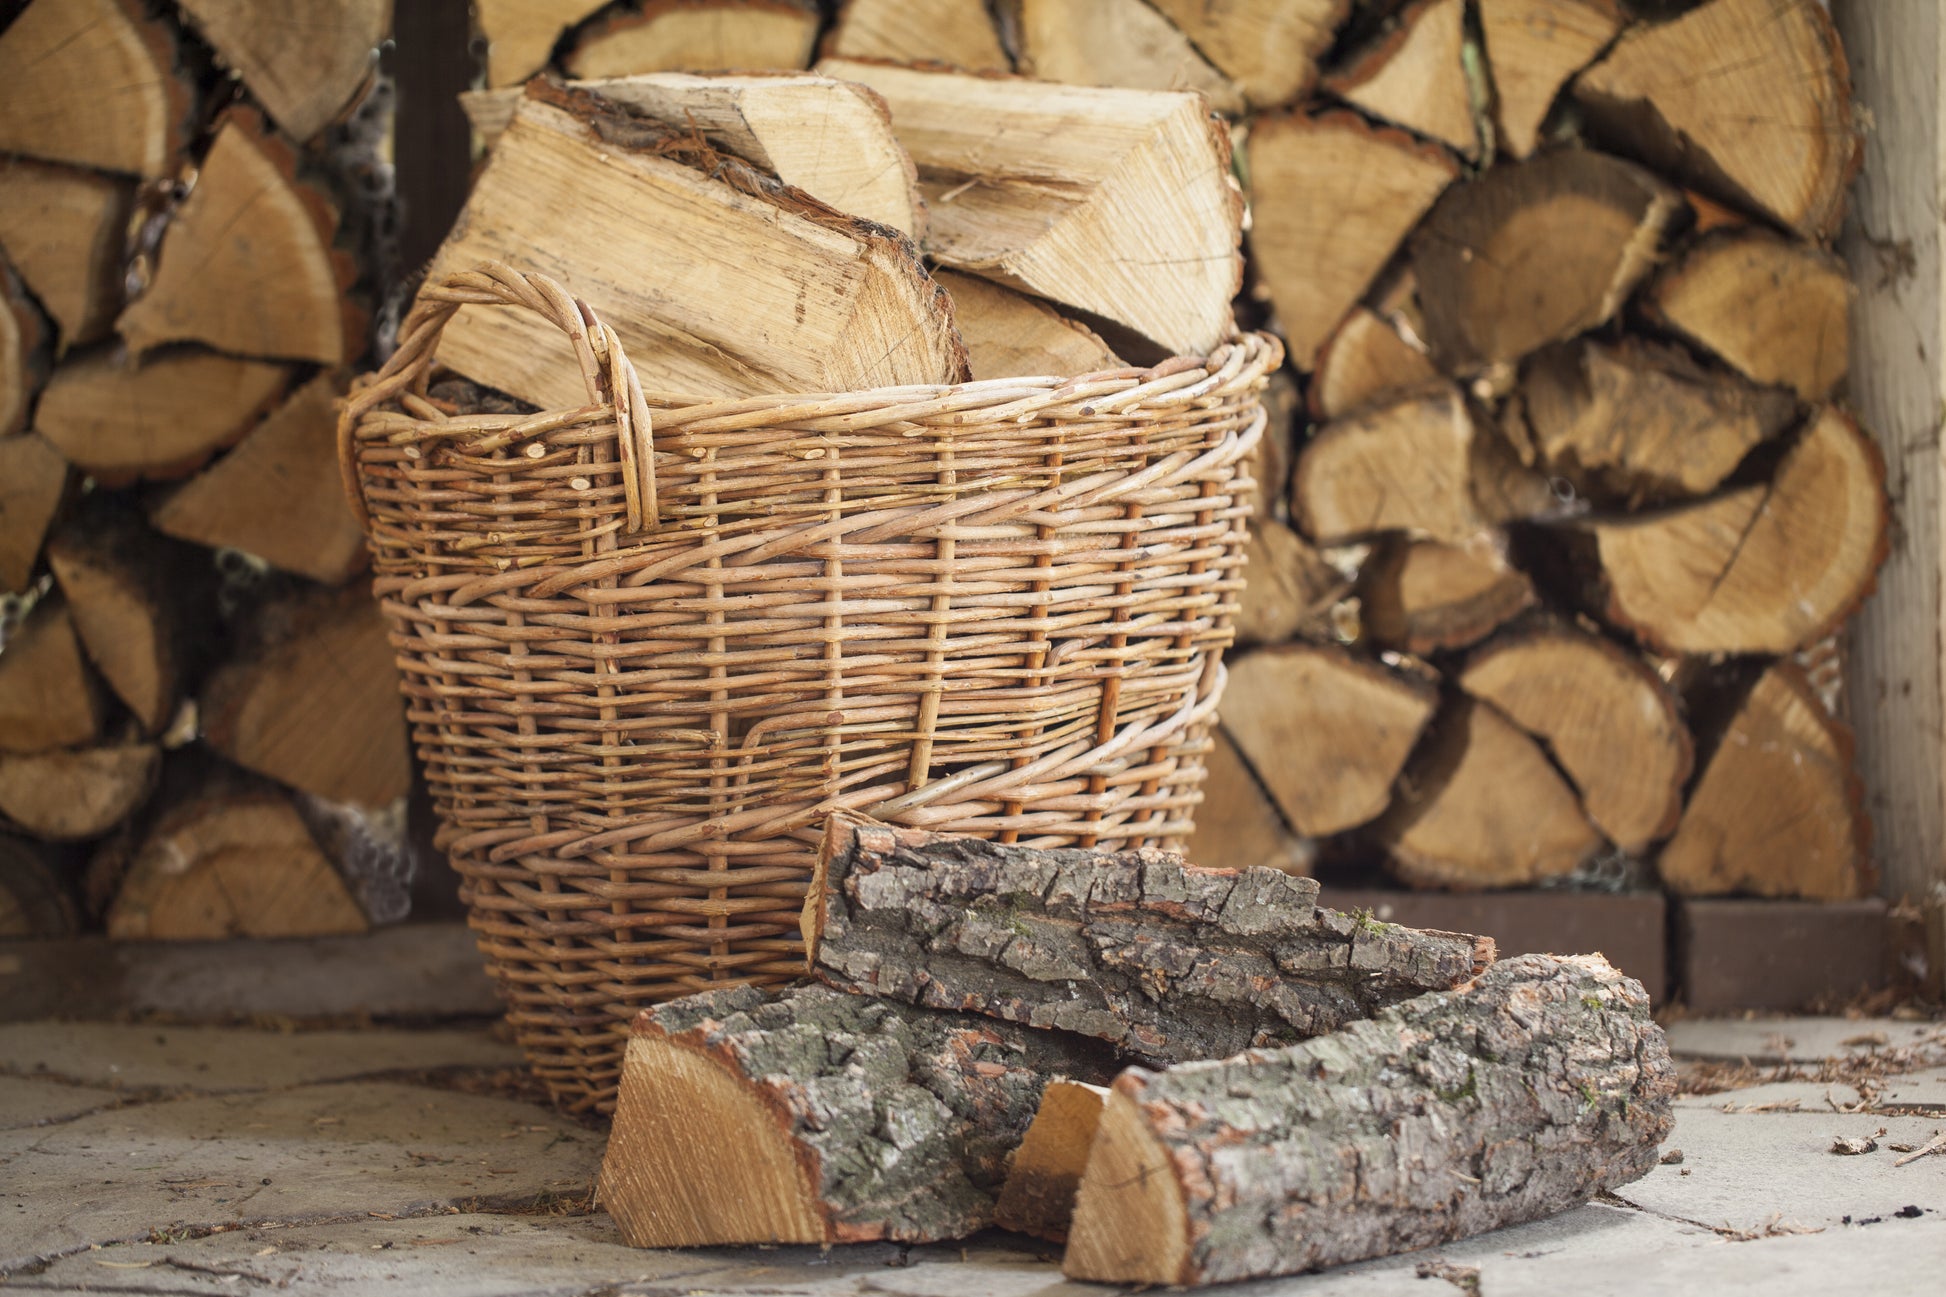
(1166, 960)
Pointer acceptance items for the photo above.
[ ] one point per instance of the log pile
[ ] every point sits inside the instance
(193, 680)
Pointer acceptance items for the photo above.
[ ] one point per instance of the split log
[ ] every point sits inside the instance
(1420, 464)
(1038, 1196)
(1748, 100)
(1237, 825)
(1013, 195)
(1163, 959)
(71, 794)
(93, 83)
(34, 900)
(137, 602)
(1364, 362)
(1778, 312)
(24, 348)
(1534, 47)
(1270, 48)
(161, 418)
(312, 700)
(1636, 423)
(1326, 732)
(1779, 810)
(1113, 43)
(488, 112)
(246, 264)
(1535, 252)
(1607, 718)
(231, 859)
(1270, 467)
(304, 62)
(1331, 198)
(62, 229)
(48, 697)
(520, 35)
(848, 304)
(698, 36)
(1422, 596)
(277, 495)
(1759, 569)
(1414, 77)
(1012, 335)
(1481, 806)
(832, 139)
(1287, 585)
(817, 1117)
(1520, 1095)
(956, 33)
(33, 482)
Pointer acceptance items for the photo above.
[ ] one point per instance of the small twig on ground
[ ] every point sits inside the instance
(1937, 1144)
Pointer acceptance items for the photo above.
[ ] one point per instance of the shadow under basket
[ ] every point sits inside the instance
(648, 644)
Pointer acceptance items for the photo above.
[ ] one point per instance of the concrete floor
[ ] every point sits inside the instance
(171, 1160)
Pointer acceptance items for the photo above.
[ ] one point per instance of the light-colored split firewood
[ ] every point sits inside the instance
(71, 794)
(957, 33)
(231, 859)
(1750, 100)
(312, 700)
(1643, 423)
(24, 349)
(488, 112)
(304, 60)
(33, 481)
(1270, 48)
(1270, 467)
(1760, 569)
(1778, 311)
(1113, 43)
(1331, 197)
(1326, 732)
(698, 36)
(1422, 596)
(161, 418)
(124, 603)
(92, 82)
(1606, 716)
(1038, 1197)
(1365, 360)
(521, 34)
(246, 264)
(1535, 252)
(62, 228)
(679, 262)
(1078, 194)
(1481, 806)
(1238, 826)
(1012, 335)
(1287, 585)
(1413, 76)
(1535, 47)
(48, 696)
(832, 139)
(1778, 810)
(277, 494)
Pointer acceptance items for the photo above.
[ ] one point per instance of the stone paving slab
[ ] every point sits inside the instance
(286, 1155)
(26, 1101)
(211, 1059)
(1797, 1040)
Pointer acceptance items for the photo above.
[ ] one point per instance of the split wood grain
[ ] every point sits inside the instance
(697, 36)
(62, 229)
(93, 83)
(303, 60)
(955, 33)
(1113, 43)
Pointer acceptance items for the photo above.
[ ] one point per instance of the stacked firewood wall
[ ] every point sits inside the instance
(199, 725)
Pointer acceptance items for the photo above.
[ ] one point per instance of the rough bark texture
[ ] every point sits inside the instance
(851, 1118)
(1537, 1086)
(1167, 960)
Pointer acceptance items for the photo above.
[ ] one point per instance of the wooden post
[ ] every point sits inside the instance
(1897, 54)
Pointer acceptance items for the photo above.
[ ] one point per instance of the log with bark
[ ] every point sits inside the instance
(1288, 586)
(1534, 48)
(1415, 76)
(1038, 1196)
(819, 1117)
(1531, 1089)
(1165, 960)
(1363, 362)
(1423, 596)
(1270, 48)
(73, 794)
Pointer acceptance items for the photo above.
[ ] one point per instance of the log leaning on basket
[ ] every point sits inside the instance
(1167, 961)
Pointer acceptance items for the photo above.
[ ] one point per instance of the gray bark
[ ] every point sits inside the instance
(907, 1118)
(1168, 961)
(1541, 1084)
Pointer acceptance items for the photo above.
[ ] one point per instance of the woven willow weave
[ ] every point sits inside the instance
(645, 651)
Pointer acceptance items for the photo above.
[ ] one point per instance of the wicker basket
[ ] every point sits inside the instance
(640, 675)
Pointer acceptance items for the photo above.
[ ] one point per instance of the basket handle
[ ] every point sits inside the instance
(606, 371)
